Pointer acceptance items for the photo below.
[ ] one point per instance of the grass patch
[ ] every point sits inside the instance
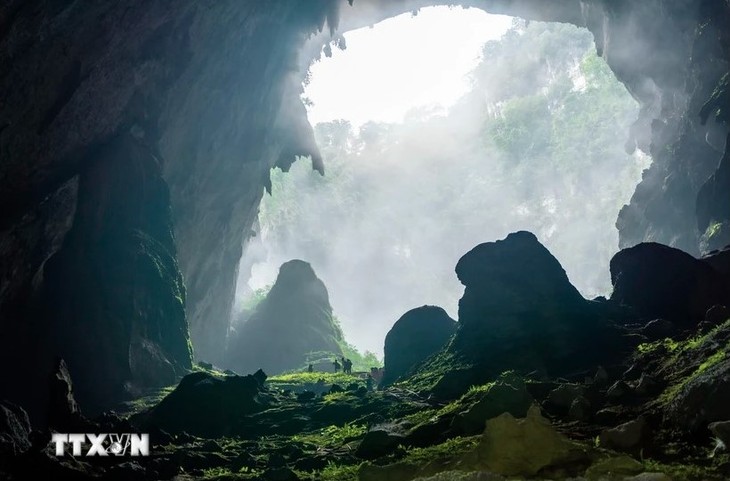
(680, 362)
(332, 436)
(449, 450)
(314, 378)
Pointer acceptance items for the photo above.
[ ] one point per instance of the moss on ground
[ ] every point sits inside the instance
(678, 362)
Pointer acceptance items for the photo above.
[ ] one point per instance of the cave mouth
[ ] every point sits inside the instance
(424, 163)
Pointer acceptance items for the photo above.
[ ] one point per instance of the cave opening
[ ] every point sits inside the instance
(493, 126)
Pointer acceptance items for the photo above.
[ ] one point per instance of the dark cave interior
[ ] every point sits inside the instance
(136, 141)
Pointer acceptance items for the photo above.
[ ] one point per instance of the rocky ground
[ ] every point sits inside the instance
(651, 403)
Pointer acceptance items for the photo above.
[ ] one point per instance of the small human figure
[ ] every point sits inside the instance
(369, 382)
(337, 365)
(348, 366)
(310, 368)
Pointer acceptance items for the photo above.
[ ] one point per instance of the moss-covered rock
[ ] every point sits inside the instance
(206, 405)
(525, 447)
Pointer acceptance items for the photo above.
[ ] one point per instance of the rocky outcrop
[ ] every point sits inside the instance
(14, 431)
(672, 90)
(194, 81)
(294, 320)
(418, 334)
(524, 447)
(205, 405)
(658, 281)
(120, 324)
(520, 311)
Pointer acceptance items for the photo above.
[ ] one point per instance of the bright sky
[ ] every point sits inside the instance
(401, 63)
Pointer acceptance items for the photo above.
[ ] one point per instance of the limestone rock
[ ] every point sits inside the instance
(626, 437)
(523, 447)
(507, 395)
(520, 311)
(379, 441)
(658, 281)
(703, 398)
(14, 430)
(658, 329)
(293, 320)
(206, 406)
(580, 409)
(564, 395)
(613, 467)
(418, 334)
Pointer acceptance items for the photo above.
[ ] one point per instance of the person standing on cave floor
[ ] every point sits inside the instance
(310, 368)
(348, 366)
(337, 365)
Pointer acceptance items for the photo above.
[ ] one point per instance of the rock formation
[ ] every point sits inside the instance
(520, 311)
(658, 281)
(213, 91)
(418, 334)
(294, 319)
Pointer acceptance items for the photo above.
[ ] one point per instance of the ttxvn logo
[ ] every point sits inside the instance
(104, 444)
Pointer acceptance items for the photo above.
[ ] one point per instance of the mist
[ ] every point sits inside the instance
(534, 142)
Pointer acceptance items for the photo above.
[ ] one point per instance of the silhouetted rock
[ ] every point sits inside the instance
(63, 411)
(206, 405)
(418, 334)
(114, 295)
(660, 281)
(14, 430)
(520, 311)
(658, 329)
(293, 320)
(719, 260)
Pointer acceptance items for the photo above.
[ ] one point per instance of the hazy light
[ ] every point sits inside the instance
(401, 63)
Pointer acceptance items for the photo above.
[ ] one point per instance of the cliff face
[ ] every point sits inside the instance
(210, 89)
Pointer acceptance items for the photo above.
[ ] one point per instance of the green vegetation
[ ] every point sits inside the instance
(681, 361)
(331, 436)
(334, 472)
(255, 298)
(361, 362)
(304, 378)
(446, 451)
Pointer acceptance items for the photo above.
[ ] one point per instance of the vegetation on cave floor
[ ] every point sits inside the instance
(679, 361)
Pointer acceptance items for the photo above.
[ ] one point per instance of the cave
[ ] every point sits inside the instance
(138, 138)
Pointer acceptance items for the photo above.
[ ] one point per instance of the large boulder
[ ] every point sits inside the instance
(418, 334)
(658, 281)
(525, 447)
(294, 320)
(206, 405)
(703, 398)
(719, 260)
(520, 311)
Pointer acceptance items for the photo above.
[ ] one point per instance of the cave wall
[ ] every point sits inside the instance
(211, 88)
(205, 87)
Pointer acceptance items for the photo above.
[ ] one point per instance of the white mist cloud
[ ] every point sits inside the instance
(400, 64)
